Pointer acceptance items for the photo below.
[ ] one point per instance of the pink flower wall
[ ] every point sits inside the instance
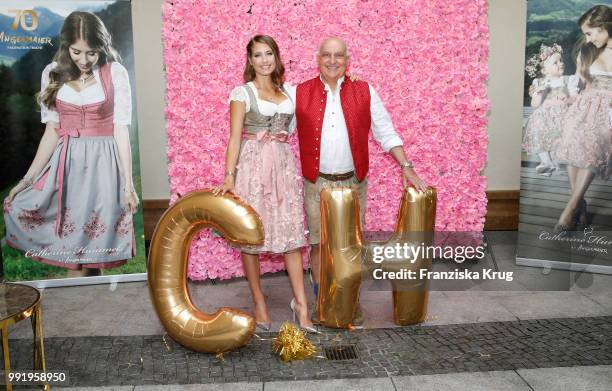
(427, 60)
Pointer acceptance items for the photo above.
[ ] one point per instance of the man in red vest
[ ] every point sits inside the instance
(334, 116)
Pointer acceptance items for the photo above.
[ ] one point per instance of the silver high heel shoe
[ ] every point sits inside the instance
(308, 329)
(263, 326)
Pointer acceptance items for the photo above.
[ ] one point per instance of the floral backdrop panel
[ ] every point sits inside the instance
(427, 60)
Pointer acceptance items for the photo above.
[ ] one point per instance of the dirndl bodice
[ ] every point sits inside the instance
(255, 122)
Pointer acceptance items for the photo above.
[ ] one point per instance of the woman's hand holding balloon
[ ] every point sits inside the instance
(227, 186)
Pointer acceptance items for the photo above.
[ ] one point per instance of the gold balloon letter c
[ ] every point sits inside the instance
(228, 328)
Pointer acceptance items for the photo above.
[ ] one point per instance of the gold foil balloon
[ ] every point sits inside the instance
(228, 328)
(345, 256)
(341, 254)
(415, 225)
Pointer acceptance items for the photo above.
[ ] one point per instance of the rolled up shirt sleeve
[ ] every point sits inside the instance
(382, 126)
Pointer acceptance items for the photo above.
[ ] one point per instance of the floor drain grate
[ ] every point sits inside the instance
(341, 352)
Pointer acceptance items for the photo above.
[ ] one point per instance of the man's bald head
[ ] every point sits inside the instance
(334, 42)
(332, 58)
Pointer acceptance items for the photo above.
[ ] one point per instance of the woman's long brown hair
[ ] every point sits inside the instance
(278, 75)
(89, 28)
(598, 16)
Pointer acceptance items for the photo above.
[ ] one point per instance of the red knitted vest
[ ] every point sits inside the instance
(311, 99)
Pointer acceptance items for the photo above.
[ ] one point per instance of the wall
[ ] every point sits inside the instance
(507, 26)
(150, 92)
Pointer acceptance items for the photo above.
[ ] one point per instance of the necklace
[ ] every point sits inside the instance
(86, 79)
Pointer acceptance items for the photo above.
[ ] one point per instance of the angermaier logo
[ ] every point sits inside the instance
(27, 21)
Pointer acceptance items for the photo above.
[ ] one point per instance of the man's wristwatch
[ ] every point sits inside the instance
(406, 164)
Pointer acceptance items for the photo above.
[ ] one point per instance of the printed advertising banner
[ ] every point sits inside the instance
(566, 191)
(70, 175)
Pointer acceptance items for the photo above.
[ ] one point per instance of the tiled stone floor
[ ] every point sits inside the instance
(125, 309)
(562, 319)
(416, 350)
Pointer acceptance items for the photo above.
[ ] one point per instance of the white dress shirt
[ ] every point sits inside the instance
(336, 156)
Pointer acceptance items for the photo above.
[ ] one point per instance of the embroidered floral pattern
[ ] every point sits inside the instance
(68, 226)
(30, 219)
(123, 226)
(79, 253)
(94, 227)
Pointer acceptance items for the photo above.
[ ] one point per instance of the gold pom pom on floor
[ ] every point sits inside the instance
(291, 343)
